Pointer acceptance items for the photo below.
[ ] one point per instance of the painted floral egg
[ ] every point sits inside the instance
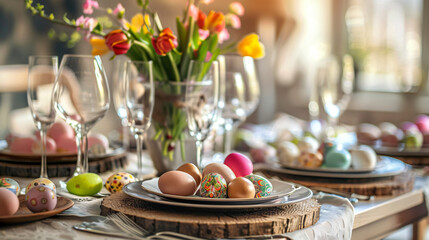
(213, 185)
(310, 159)
(40, 199)
(117, 181)
(41, 182)
(263, 187)
(10, 184)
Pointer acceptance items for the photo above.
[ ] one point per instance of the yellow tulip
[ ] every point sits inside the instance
(251, 46)
(99, 46)
(137, 23)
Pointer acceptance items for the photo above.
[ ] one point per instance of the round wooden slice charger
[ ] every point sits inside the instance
(388, 186)
(213, 223)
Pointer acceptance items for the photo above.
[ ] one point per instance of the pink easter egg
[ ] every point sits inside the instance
(22, 145)
(40, 199)
(51, 146)
(66, 145)
(422, 123)
(409, 127)
(98, 139)
(60, 130)
(239, 164)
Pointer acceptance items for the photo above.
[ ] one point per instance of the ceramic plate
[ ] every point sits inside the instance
(25, 215)
(380, 166)
(386, 167)
(280, 189)
(400, 152)
(135, 190)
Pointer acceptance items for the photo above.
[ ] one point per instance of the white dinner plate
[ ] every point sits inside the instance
(386, 167)
(135, 190)
(280, 189)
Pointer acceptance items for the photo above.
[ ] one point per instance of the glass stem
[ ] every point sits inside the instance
(84, 140)
(227, 136)
(139, 142)
(43, 166)
(199, 145)
(125, 133)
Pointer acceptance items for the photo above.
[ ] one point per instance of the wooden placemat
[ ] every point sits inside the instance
(415, 161)
(388, 186)
(214, 223)
(58, 167)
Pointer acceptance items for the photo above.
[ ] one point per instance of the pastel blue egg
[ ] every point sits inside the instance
(338, 158)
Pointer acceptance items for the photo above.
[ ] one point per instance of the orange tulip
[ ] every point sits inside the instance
(98, 46)
(165, 42)
(215, 22)
(250, 46)
(118, 42)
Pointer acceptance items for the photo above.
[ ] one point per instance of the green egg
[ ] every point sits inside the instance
(86, 184)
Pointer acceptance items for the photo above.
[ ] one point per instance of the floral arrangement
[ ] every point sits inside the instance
(199, 36)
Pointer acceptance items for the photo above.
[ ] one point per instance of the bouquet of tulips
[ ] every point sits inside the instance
(199, 36)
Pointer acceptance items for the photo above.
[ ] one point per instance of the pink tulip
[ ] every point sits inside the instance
(233, 20)
(236, 8)
(88, 5)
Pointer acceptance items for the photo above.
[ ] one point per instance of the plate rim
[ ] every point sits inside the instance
(148, 197)
(31, 217)
(371, 174)
(223, 200)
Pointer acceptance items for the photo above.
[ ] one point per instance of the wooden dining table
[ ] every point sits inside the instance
(374, 219)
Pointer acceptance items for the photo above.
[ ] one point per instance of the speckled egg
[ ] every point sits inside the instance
(40, 199)
(310, 159)
(308, 144)
(287, 153)
(41, 182)
(10, 184)
(263, 187)
(213, 185)
(117, 181)
(338, 158)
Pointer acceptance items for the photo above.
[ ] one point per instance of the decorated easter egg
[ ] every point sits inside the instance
(9, 202)
(66, 145)
(308, 144)
(85, 184)
(338, 158)
(413, 140)
(287, 153)
(263, 187)
(60, 130)
(192, 170)
(363, 157)
(97, 143)
(221, 169)
(213, 185)
(310, 159)
(422, 123)
(41, 182)
(51, 146)
(241, 187)
(40, 199)
(239, 164)
(10, 184)
(326, 146)
(368, 133)
(177, 183)
(117, 181)
(22, 145)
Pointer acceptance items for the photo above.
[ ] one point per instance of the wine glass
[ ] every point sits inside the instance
(234, 68)
(119, 75)
(201, 99)
(42, 71)
(81, 98)
(139, 99)
(336, 87)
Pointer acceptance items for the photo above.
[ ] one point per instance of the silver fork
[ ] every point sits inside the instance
(129, 226)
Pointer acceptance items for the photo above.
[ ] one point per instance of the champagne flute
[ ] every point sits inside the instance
(81, 98)
(139, 99)
(42, 71)
(234, 107)
(202, 96)
(336, 88)
(119, 75)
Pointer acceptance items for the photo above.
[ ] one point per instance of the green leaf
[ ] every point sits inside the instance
(65, 18)
(63, 37)
(98, 27)
(181, 32)
(202, 51)
(157, 22)
(195, 38)
(51, 33)
(213, 42)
